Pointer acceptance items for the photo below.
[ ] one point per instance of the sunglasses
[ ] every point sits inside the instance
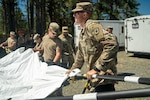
(77, 12)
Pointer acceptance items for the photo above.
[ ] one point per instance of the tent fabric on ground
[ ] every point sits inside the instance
(24, 76)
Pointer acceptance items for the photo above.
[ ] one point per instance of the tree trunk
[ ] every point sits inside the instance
(11, 15)
(38, 16)
(28, 16)
(4, 16)
(32, 15)
(43, 17)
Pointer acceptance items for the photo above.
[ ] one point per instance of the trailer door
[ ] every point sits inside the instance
(121, 35)
(138, 35)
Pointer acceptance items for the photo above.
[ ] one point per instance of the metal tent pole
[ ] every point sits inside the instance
(106, 95)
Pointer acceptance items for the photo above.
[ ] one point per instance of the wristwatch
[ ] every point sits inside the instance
(96, 69)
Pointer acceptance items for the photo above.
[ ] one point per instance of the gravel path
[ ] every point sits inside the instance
(127, 63)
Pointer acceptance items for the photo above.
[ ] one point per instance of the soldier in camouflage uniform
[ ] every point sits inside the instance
(67, 51)
(10, 43)
(97, 49)
(52, 45)
(39, 45)
(110, 29)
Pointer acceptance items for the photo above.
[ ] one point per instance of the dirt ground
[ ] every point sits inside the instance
(127, 63)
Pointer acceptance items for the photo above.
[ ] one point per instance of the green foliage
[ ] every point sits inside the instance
(116, 9)
(11, 17)
(60, 12)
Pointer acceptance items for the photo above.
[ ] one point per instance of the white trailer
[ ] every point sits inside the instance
(137, 34)
(118, 30)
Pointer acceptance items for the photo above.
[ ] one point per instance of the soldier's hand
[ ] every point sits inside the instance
(1, 45)
(6, 47)
(90, 73)
(68, 72)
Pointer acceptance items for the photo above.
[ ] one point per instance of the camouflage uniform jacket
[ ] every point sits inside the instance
(97, 49)
(67, 44)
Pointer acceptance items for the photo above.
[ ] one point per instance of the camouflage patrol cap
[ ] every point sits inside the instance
(109, 27)
(83, 6)
(94, 29)
(36, 36)
(65, 29)
(12, 33)
(54, 27)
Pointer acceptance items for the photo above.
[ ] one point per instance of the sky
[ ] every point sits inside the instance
(144, 8)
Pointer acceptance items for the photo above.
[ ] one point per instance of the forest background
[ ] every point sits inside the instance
(39, 13)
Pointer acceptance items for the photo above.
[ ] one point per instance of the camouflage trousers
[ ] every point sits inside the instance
(99, 88)
(67, 60)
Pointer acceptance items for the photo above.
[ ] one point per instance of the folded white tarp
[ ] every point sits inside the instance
(24, 76)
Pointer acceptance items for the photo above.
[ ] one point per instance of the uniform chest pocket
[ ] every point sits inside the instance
(90, 46)
(91, 50)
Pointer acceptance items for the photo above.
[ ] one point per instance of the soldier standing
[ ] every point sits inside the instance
(21, 40)
(10, 43)
(97, 49)
(110, 29)
(39, 45)
(52, 45)
(67, 51)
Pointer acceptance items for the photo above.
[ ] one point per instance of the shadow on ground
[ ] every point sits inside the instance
(141, 55)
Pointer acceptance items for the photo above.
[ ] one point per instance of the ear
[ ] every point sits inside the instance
(48, 31)
(85, 14)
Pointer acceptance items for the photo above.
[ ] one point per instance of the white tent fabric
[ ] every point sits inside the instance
(24, 76)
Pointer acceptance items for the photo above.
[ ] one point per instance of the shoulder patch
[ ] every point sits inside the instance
(95, 30)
